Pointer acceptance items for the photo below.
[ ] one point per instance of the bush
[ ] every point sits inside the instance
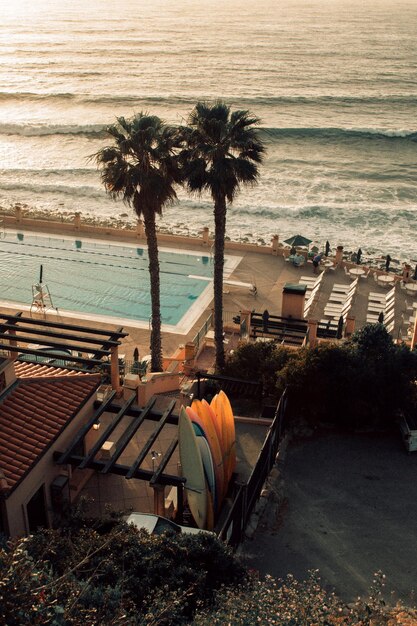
(291, 602)
(363, 382)
(79, 576)
(258, 362)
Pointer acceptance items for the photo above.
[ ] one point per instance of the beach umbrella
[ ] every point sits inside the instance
(415, 273)
(358, 256)
(298, 240)
(381, 318)
(387, 262)
(327, 249)
(136, 355)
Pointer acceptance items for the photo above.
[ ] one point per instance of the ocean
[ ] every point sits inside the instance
(333, 82)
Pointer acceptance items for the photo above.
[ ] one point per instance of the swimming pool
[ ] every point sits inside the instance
(111, 281)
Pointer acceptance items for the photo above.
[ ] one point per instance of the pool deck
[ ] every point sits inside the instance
(269, 273)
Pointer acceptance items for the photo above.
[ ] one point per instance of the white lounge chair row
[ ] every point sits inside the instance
(313, 286)
(382, 303)
(340, 300)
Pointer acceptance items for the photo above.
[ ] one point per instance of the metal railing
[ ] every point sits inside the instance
(242, 387)
(203, 331)
(233, 529)
(327, 330)
(229, 316)
(285, 330)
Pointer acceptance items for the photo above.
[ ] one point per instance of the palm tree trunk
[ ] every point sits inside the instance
(155, 344)
(219, 235)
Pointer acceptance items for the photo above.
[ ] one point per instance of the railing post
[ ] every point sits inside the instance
(180, 504)
(114, 370)
(77, 221)
(312, 332)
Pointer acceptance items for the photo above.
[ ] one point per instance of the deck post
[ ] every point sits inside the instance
(275, 244)
(159, 499)
(206, 235)
(13, 354)
(180, 504)
(140, 229)
(114, 370)
(312, 333)
(350, 325)
(293, 299)
(406, 272)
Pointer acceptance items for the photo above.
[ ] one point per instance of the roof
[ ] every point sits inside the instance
(32, 415)
(29, 369)
(295, 288)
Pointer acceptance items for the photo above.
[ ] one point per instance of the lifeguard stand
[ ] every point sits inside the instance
(41, 297)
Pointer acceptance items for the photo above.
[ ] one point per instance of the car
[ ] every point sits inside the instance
(156, 524)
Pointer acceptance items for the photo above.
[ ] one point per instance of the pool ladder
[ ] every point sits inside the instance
(41, 299)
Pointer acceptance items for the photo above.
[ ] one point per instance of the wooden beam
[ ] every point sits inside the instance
(110, 428)
(126, 438)
(51, 333)
(80, 329)
(53, 357)
(121, 470)
(63, 459)
(155, 415)
(54, 344)
(164, 461)
(148, 445)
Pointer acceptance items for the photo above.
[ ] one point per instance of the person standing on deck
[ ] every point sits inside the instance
(316, 262)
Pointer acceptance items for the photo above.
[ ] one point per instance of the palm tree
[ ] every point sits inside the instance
(142, 168)
(222, 151)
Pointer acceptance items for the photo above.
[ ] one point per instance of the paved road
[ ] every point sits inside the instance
(350, 508)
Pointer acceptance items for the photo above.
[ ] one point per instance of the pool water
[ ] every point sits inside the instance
(99, 278)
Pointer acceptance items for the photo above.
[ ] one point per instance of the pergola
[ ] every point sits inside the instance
(156, 477)
(88, 347)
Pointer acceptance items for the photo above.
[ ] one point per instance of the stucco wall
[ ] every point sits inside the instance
(44, 472)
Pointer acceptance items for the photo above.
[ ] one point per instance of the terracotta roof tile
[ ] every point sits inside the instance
(33, 414)
(27, 369)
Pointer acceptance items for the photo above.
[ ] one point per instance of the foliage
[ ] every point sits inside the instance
(142, 168)
(363, 382)
(222, 151)
(300, 603)
(68, 578)
(258, 362)
(76, 575)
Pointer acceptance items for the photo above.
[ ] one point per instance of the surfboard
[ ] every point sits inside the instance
(198, 414)
(219, 410)
(231, 433)
(192, 470)
(209, 475)
(216, 407)
(216, 421)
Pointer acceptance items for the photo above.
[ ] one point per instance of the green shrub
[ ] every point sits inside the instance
(258, 362)
(79, 576)
(363, 382)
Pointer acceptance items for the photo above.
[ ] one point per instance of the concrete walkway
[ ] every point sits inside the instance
(350, 509)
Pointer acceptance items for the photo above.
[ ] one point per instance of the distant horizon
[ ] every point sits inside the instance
(333, 83)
